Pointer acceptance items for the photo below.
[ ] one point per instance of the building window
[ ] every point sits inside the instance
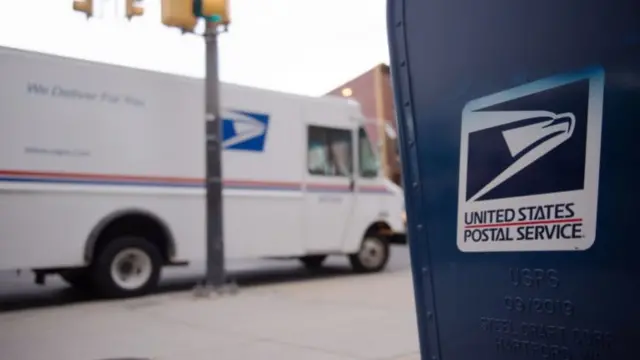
(367, 160)
(330, 152)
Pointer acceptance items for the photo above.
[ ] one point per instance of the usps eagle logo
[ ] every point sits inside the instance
(244, 131)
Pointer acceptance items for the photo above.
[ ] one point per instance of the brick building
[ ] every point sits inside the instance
(372, 90)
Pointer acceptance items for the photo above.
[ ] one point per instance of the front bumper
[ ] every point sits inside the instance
(397, 239)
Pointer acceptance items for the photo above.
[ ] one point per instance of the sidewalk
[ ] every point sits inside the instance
(345, 318)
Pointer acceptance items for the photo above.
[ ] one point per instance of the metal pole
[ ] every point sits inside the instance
(215, 275)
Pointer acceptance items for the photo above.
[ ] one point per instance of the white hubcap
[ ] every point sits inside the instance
(131, 268)
(372, 253)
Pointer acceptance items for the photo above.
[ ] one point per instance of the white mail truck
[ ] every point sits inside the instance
(102, 175)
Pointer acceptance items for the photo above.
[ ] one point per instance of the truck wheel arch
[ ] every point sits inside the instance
(166, 244)
(379, 228)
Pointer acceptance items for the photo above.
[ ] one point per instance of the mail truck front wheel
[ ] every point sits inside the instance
(373, 255)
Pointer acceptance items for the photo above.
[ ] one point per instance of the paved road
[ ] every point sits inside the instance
(19, 292)
(369, 317)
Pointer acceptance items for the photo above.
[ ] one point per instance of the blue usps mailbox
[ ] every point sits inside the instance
(519, 125)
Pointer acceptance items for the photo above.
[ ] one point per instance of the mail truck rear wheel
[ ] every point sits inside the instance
(373, 255)
(126, 267)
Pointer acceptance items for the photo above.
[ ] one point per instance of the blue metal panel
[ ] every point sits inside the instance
(543, 98)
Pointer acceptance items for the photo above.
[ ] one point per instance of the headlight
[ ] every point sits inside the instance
(404, 218)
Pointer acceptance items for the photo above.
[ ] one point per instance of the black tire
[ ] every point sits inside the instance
(104, 283)
(373, 255)
(313, 262)
(79, 279)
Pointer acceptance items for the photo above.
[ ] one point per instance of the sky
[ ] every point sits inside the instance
(306, 47)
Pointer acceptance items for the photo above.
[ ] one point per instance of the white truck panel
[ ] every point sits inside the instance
(47, 226)
(263, 206)
(276, 164)
(116, 123)
(260, 225)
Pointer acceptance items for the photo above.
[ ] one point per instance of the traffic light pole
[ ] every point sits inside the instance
(215, 279)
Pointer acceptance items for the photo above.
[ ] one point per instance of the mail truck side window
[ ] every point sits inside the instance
(329, 152)
(367, 160)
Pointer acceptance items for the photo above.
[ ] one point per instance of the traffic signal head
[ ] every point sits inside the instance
(85, 6)
(214, 10)
(180, 14)
(133, 8)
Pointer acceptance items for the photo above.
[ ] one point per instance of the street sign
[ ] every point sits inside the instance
(519, 124)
